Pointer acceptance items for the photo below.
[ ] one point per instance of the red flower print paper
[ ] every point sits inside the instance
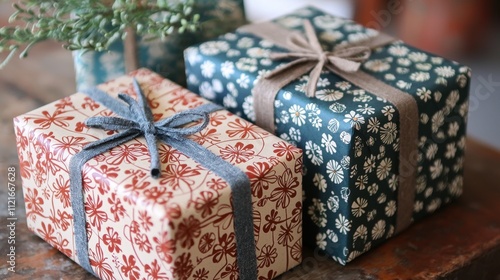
(179, 226)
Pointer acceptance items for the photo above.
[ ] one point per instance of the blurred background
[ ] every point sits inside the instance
(467, 31)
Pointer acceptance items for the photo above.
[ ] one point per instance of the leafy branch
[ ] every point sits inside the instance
(92, 24)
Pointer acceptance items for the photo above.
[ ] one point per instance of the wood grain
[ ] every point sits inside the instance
(462, 241)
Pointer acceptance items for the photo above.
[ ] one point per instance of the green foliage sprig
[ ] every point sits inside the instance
(92, 24)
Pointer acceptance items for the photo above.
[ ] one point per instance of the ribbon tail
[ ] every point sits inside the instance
(311, 36)
(189, 115)
(153, 153)
(313, 79)
(110, 123)
(298, 43)
(141, 97)
(241, 200)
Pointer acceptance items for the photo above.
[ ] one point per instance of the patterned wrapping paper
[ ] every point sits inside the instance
(349, 136)
(162, 56)
(179, 226)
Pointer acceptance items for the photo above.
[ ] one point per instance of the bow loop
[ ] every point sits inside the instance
(133, 107)
(349, 59)
(298, 43)
(356, 53)
(136, 111)
(148, 128)
(343, 64)
(138, 120)
(142, 101)
(110, 123)
(174, 126)
(312, 38)
(304, 50)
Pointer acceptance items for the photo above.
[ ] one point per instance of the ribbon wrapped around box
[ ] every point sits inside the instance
(217, 197)
(382, 124)
(344, 62)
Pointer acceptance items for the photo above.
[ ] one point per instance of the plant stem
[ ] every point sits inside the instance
(130, 50)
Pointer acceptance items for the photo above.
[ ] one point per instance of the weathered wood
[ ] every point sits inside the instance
(460, 242)
(36, 259)
(25, 84)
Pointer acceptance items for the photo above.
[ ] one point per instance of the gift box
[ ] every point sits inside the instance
(162, 56)
(186, 224)
(382, 124)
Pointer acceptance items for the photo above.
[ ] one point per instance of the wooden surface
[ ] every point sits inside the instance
(461, 241)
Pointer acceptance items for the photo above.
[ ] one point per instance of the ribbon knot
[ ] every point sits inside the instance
(309, 56)
(136, 119)
(323, 57)
(148, 128)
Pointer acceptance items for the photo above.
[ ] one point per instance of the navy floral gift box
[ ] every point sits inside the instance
(382, 124)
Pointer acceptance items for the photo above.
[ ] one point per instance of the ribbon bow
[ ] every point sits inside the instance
(136, 119)
(309, 54)
(345, 63)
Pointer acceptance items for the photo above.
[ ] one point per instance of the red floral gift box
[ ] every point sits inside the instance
(185, 224)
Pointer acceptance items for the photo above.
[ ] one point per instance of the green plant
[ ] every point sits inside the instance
(92, 24)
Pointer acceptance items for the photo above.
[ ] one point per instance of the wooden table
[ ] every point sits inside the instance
(461, 241)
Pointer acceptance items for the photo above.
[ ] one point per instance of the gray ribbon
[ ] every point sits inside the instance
(136, 119)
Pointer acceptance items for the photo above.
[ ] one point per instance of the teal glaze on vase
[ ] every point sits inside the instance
(162, 56)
